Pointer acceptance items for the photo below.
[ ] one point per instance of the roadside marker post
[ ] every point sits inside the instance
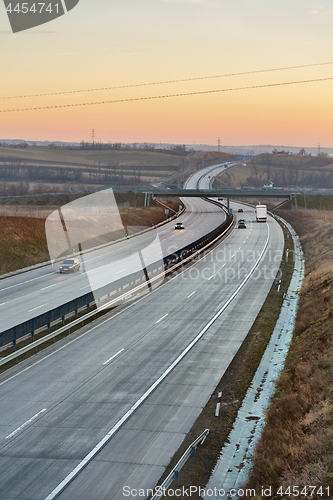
(218, 404)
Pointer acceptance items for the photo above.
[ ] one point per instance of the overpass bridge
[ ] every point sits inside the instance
(222, 193)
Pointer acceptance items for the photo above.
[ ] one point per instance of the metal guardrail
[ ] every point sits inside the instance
(174, 474)
(171, 262)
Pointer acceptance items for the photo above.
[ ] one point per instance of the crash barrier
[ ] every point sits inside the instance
(131, 283)
(174, 474)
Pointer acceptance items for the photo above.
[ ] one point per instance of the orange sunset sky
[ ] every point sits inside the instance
(106, 43)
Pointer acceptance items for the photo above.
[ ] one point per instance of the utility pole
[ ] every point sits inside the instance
(93, 137)
(219, 145)
(319, 153)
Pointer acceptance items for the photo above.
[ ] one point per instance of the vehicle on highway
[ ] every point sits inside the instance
(241, 224)
(261, 213)
(240, 210)
(179, 225)
(69, 265)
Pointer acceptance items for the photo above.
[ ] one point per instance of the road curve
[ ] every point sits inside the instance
(27, 295)
(204, 177)
(59, 405)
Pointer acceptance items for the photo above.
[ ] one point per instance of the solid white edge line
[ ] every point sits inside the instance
(72, 475)
(112, 357)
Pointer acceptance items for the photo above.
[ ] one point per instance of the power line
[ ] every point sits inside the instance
(97, 89)
(165, 96)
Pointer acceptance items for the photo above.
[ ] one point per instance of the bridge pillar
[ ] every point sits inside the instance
(228, 204)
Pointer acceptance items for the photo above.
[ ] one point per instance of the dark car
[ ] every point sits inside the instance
(69, 265)
(179, 225)
(241, 224)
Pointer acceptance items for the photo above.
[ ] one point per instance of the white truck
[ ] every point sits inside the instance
(261, 213)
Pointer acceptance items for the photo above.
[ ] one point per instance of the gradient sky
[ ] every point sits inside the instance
(105, 43)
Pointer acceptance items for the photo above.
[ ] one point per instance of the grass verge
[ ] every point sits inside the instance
(296, 444)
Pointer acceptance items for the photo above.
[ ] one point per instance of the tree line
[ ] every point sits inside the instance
(93, 174)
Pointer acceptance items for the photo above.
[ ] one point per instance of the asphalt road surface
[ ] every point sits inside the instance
(130, 385)
(29, 294)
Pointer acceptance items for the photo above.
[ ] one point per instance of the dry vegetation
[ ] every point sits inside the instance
(31, 170)
(127, 158)
(22, 244)
(23, 241)
(283, 170)
(296, 444)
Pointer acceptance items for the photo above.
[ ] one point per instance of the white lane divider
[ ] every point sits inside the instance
(217, 272)
(27, 281)
(46, 287)
(25, 424)
(158, 321)
(91, 455)
(38, 307)
(121, 271)
(189, 296)
(112, 357)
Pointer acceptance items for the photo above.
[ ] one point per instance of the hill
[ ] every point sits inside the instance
(25, 170)
(282, 169)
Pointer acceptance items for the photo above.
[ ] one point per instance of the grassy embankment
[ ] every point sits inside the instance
(23, 240)
(296, 445)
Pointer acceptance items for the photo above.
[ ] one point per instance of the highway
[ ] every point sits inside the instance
(111, 404)
(26, 295)
(204, 177)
